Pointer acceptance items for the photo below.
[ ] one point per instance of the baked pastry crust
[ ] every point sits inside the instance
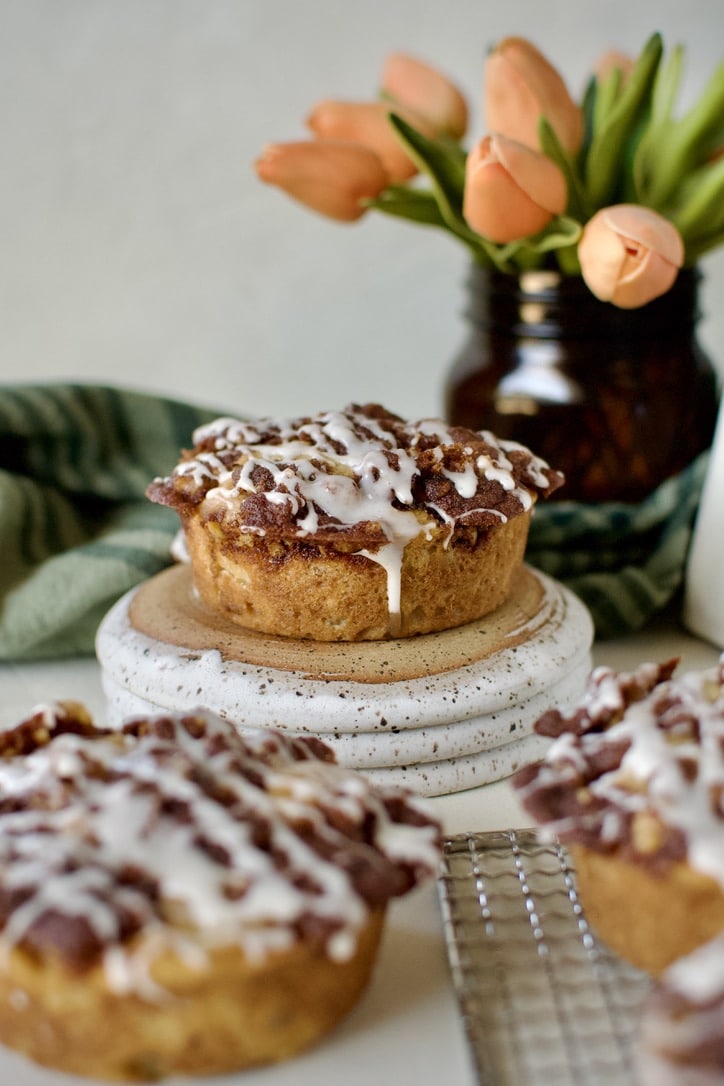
(648, 918)
(318, 592)
(234, 1013)
(353, 525)
(633, 783)
(178, 898)
(681, 1038)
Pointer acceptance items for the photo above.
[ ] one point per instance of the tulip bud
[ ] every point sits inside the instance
(629, 255)
(331, 177)
(611, 60)
(511, 191)
(366, 123)
(520, 87)
(427, 92)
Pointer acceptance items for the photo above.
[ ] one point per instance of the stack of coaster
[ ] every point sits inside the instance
(438, 713)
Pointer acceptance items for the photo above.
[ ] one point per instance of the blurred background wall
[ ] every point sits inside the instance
(137, 246)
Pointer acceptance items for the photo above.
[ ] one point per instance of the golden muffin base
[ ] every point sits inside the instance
(230, 1015)
(317, 592)
(646, 919)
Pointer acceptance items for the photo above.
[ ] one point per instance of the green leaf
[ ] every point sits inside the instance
(568, 261)
(609, 143)
(666, 88)
(404, 202)
(560, 233)
(607, 94)
(700, 200)
(578, 204)
(683, 144)
(628, 190)
(699, 247)
(588, 106)
(444, 164)
(664, 93)
(698, 212)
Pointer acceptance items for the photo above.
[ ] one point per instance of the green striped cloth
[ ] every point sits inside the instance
(76, 530)
(625, 561)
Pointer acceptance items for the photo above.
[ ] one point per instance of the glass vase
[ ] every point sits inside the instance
(618, 399)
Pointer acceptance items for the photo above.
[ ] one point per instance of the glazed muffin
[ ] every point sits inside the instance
(178, 898)
(681, 1040)
(353, 525)
(633, 783)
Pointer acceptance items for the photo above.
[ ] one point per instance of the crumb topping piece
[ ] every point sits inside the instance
(363, 472)
(361, 479)
(682, 1021)
(638, 766)
(188, 833)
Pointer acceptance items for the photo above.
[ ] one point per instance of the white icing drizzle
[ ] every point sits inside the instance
(389, 557)
(681, 1035)
(699, 976)
(353, 469)
(672, 762)
(79, 811)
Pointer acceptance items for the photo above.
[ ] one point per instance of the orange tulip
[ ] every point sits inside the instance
(366, 123)
(511, 191)
(612, 59)
(629, 255)
(520, 87)
(427, 92)
(329, 176)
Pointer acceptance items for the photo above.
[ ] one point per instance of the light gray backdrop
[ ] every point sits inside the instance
(137, 246)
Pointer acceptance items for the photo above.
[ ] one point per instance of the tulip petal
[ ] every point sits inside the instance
(495, 203)
(366, 123)
(601, 255)
(510, 105)
(331, 177)
(534, 173)
(645, 277)
(614, 61)
(521, 85)
(648, 228)
(427, 92)
(629, 255)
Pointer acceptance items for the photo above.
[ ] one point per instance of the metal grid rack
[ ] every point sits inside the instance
(542, 1000)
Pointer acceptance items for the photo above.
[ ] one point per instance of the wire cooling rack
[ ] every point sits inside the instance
(542, 1000)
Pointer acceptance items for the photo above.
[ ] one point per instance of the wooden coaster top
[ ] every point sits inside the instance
(166, 609)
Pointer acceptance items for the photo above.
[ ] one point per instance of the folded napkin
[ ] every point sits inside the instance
(76, 530)
(625, 561)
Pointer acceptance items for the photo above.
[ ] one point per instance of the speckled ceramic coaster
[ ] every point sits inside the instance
(441, 712)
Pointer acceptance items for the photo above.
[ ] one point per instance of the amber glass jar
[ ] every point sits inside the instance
(618, 399)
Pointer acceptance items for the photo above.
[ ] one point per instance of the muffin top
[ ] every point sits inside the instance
(682, 1020)
(697, 980)
(637, 767)
(184, 831)
(363, 474)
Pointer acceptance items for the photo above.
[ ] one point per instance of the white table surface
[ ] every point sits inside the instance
(407, 1027)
